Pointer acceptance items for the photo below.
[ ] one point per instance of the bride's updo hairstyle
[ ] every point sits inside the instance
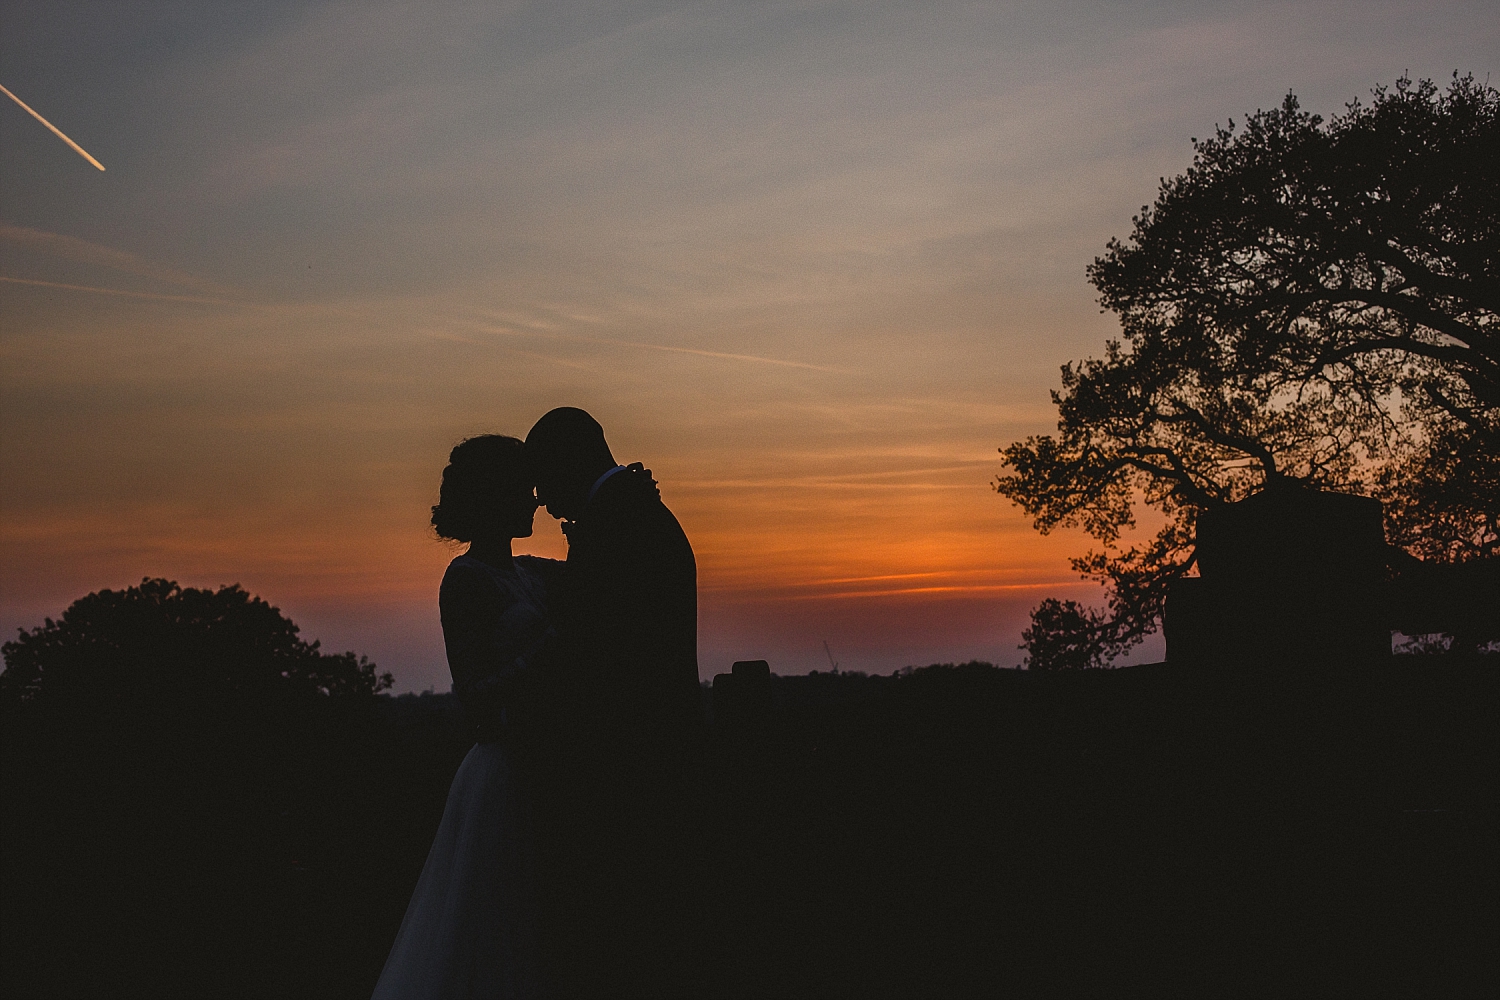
(481, 473)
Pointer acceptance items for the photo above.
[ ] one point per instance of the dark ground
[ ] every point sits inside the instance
(954, 831)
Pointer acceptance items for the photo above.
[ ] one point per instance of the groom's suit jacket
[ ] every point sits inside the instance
(630, 619)
(619, 820)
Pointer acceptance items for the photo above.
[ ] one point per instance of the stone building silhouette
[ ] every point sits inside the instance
(1287, 576)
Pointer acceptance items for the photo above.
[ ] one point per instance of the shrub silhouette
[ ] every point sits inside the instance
(163, 644)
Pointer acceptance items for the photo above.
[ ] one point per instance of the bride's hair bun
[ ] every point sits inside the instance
(481, 471)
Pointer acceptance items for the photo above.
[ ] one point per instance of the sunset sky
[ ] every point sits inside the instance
(810, 263)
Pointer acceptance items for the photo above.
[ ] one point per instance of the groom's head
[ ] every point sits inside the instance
(568, 453)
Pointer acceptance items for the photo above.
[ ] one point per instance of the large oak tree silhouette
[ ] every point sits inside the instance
(1308, 300)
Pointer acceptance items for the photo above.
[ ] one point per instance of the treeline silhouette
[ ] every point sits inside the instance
(949, 830)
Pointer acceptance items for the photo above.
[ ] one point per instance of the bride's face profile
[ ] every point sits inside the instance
(516, 511)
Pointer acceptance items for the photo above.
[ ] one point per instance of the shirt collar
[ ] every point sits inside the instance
(600, 481)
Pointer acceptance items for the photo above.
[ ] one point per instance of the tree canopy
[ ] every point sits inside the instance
(1310, 300)
(160, 642)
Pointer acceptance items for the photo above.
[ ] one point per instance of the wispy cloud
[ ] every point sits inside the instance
(994, 588)
(671, 349)
(720, 354)
(86, 252)
(155, 296)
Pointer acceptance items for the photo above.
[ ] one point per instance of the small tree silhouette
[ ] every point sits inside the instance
(1061, 636)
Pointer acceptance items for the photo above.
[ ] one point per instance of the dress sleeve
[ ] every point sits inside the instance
(492, 639)
(548, 571)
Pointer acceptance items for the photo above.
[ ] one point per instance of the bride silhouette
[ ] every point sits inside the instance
(470, 928)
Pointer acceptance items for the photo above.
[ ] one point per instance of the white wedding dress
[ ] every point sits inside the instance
(470, 929)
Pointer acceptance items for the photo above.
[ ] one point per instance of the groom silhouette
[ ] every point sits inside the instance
(619, 833)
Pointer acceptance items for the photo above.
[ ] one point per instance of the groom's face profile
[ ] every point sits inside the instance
(560, 489)
(568, 454)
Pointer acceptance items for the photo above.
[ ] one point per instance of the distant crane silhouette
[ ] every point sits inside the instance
(829, 653)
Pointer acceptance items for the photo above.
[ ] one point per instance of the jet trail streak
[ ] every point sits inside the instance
(55, 130)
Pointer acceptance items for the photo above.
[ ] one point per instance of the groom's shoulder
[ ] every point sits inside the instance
(631, 500)
(631, 490)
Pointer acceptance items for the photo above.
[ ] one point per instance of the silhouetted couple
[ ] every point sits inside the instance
(569, 859)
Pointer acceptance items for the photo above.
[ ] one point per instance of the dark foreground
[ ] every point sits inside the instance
(954, 831)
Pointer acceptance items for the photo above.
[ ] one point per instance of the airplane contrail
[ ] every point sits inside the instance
(55, 130)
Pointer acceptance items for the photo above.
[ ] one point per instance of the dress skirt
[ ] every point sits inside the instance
(470, 930)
